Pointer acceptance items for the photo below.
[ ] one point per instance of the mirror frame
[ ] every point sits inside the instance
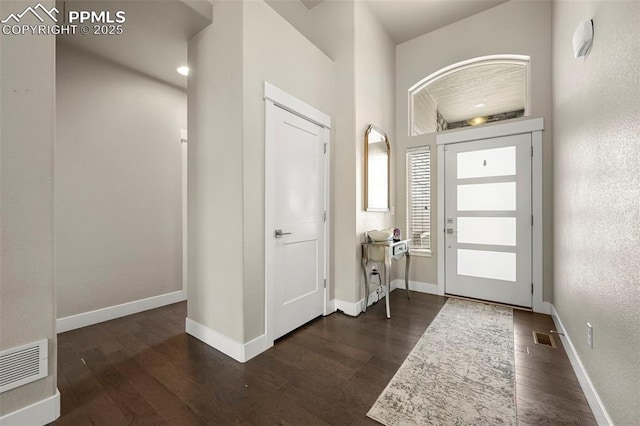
(384, 137)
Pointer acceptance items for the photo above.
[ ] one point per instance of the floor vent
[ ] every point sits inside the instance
(22, 365)
(543, 339)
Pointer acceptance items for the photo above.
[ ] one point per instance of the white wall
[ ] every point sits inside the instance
(364, 57)
(375, 104)
(597, 196)
(27, 135)
(515, 27)
(275, 52)
(247, 44)
(118, 196)
(337, 40)
(216, 264)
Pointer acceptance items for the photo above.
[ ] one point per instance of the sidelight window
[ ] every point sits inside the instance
(419, 199)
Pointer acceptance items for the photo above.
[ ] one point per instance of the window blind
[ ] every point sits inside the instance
(419, 198)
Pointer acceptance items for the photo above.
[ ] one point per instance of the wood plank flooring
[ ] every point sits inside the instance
(144, 370)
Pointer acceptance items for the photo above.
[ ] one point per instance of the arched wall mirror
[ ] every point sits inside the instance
(377, 162)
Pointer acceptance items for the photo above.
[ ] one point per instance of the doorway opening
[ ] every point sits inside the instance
(120, 164)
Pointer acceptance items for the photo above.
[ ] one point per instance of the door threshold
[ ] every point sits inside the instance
(490, 302)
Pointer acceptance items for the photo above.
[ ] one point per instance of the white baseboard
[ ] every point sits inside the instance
(330, 307)
(354, 309)
(112, 312)
(349, 308)
(255, 347)
(41, 413)
(418, 286)
(241, 352)
(598, 408)
(373, 298)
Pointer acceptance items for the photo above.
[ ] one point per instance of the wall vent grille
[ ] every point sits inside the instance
(22, 365)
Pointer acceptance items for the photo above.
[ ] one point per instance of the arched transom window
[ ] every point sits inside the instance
(469, 93)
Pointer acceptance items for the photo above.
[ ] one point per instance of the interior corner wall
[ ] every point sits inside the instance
(247, 44)
(292, 63)
(215, 178)
(597, 196)
(515, 27)
(375, 104)
(118, 194)
(27, 135)
(340, 39)
(337, 40)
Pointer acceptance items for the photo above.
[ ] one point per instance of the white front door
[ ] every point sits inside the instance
(295, 225)
(488, 219)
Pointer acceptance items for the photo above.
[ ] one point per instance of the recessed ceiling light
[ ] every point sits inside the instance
(480, 105)
(184, 70)
(478, 120)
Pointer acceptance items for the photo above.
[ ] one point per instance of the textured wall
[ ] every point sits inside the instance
(596, 108)
(118, 192)
(27, 135)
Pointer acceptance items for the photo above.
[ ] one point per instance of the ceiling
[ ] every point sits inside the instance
(408, 19)
(154, 41)
(156, 32)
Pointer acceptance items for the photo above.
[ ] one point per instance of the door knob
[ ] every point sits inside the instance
(279, 233)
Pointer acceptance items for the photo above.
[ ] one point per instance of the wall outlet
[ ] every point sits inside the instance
(590, 335)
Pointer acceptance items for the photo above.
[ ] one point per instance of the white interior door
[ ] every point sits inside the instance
(296, 197)
(488, 219)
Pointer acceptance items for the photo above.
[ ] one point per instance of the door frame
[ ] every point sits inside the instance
(277, 98)
(535, 126)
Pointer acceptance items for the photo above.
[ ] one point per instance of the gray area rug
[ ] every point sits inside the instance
(461, 371)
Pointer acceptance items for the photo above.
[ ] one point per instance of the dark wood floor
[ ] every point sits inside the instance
(144, 370)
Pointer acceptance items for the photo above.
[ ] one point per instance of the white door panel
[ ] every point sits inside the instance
(299, 270)
(296, 196)
(297, 177)
(488, 219)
